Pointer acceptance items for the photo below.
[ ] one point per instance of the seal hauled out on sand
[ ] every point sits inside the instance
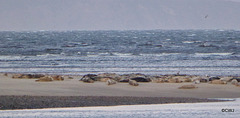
(58, 78)
(187, 87)
(111, 82)
(238, 84)
(196, 82)
(45, 79)
(5, 74)
(234, 82)
(218, 82)
(27, 76)
(214, 78)
(89, 78)
(133, 83)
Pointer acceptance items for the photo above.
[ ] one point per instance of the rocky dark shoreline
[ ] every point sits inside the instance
(36, 102)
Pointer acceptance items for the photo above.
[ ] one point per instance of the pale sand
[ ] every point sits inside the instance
(74, 87)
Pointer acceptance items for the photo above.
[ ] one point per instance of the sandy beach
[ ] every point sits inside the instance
(22, 90)
(74, 87)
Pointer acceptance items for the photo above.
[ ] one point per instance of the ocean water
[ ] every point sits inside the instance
(201, 52)
(184, 110)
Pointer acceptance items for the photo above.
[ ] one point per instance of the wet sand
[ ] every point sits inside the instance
(36, 102)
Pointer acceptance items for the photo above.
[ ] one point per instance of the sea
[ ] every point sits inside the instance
(229, 109)
(154, 52)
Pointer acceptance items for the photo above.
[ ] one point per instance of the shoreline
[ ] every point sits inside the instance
(27, 92)
(80, 74)
(41, 102)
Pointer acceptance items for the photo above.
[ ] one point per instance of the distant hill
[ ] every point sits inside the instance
(118, 14)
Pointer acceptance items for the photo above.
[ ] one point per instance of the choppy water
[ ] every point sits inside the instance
(213, 52)
(185, 110)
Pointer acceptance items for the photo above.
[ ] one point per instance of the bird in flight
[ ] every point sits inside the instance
(206, 16)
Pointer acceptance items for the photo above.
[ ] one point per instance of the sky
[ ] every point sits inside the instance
(34, 15)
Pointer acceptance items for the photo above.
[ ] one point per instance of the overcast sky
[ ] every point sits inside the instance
(19, 15)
